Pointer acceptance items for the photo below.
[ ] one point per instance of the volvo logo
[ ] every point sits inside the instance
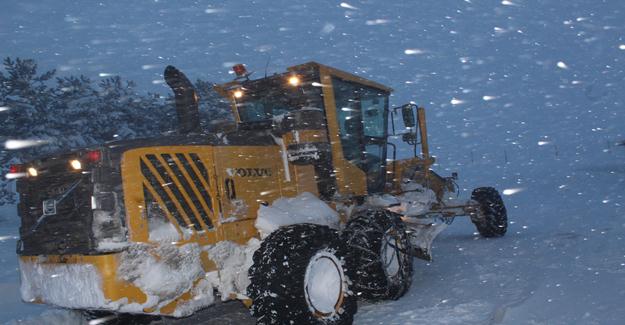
(249, 172)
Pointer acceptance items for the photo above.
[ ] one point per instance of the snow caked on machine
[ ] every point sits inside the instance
(298, 208)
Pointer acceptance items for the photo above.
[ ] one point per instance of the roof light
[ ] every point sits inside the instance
(294, 81)
(239, 69)
(32, 171)
(76, 164)
(238, 93)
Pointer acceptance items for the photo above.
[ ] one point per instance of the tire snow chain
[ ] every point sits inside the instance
(397, 248)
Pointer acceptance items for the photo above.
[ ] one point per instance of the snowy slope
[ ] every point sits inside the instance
(562, 261)
(12, 306)
(523, 95)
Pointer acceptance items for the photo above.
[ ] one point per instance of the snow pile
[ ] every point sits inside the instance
(163, 272)
(414, 201)
(233, 262)
(304, 208)
(203, 296)
(423, 232)
(108, 245)
(162, 231)
(231, 278)
(384, 200)
(65, 285)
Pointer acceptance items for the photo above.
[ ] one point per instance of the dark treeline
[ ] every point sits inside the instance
(74, 111)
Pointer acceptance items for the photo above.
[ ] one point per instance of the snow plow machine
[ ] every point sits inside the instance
(298, 208)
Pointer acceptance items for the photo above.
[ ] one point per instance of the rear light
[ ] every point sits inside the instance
(87, 158)
(13, 169)
(16, 171)
(93, 156)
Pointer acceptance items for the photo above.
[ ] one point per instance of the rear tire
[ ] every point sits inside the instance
(381, 246)
(301, 275)
(492, 220)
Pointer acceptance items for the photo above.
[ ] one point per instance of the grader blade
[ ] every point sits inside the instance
(422, 236)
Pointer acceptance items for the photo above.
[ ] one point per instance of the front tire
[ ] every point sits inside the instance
(381, 246)
(492, 219)
(301, 275)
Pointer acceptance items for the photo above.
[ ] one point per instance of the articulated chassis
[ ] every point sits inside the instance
(424, 228)
(470, 209)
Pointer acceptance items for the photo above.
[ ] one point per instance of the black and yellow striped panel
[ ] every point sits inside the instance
(180, 181)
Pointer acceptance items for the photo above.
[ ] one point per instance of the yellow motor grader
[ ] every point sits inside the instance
(164, 225)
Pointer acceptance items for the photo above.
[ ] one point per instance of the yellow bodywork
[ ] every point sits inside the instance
(230, 218)
(113, 288)
(199, 181)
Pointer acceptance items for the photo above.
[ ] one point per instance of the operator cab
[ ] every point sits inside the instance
(352, 112)
(261, 103)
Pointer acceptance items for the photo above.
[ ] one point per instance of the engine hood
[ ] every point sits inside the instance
(234, 138)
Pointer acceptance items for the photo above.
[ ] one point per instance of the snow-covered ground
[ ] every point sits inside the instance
(523, 95)
(12, 306)
(562, 261)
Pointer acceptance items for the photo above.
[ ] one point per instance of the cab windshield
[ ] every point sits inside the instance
(264, 108)
(265, 101)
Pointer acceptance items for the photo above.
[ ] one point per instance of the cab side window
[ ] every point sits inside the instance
(349, 119)
(362, 117)
(373, 117)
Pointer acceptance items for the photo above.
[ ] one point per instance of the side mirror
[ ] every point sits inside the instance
(407, 113)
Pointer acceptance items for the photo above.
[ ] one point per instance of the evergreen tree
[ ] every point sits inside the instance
(214, 109)
(25, 100)
(75, 112)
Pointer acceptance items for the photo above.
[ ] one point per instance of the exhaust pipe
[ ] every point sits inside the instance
(186, 100)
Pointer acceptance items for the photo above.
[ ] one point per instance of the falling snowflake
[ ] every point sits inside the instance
(456, 101)
(413, 51)
(347, 6)
(511, 191)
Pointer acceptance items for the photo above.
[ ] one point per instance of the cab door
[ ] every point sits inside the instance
(362, 116)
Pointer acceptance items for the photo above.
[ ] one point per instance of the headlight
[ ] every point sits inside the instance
(294, 81)
(32, 171)
(76, 164)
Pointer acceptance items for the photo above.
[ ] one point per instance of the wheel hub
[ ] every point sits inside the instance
(323, 283)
